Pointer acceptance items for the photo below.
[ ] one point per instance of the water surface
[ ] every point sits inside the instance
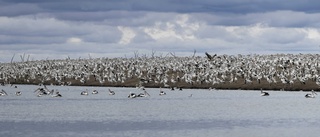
(206, 113)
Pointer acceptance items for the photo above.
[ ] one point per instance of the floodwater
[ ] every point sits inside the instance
(207, 113)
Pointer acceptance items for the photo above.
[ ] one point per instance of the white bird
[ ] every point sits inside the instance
(162, 92)
(3, 93)
(264, 93)
(111, 92)
(57, 94)
(39, 95)
(84, 92)
(95, 92)
(18, 93)
(144, 94)
(43, 91)
(132, 95)
(312, 95)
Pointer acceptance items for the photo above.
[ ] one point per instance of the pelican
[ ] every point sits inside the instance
(162, 92)
(42, 91)
(18, 93)
(40, 95)
(264, 93)
(95, 92)
(51, 92)
(57, 94)
(132, 95)
(85, 92)
(111, 92)
(144, 94)
(14, 86)
(312, 95)
(3, 93)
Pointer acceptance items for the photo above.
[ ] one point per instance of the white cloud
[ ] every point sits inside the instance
(74, 40)
(180, 29)
(158, 33)
(127, 35)
(312, 33)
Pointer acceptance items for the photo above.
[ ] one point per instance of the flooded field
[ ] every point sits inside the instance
(178, 113)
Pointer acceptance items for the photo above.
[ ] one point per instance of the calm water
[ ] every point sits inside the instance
(206, 113)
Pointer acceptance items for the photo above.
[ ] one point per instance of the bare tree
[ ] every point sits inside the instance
(28, 58)
(22, 57)
(12, 57)
(136, 54)
(89, 56)
(173, 54)
(144, 56)
(160, 55)
(194, 53)
(152, 54)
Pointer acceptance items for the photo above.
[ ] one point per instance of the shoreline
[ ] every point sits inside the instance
(238, 85)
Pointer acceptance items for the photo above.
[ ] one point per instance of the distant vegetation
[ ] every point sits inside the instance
(269, 72)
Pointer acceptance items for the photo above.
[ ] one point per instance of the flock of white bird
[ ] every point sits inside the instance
(44, 91)
(168, 71)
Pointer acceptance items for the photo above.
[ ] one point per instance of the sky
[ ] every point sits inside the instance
(60, 29)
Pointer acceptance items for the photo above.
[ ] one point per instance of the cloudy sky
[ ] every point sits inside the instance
(57, 29)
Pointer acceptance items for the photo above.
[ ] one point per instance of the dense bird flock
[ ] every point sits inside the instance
(276, 72)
